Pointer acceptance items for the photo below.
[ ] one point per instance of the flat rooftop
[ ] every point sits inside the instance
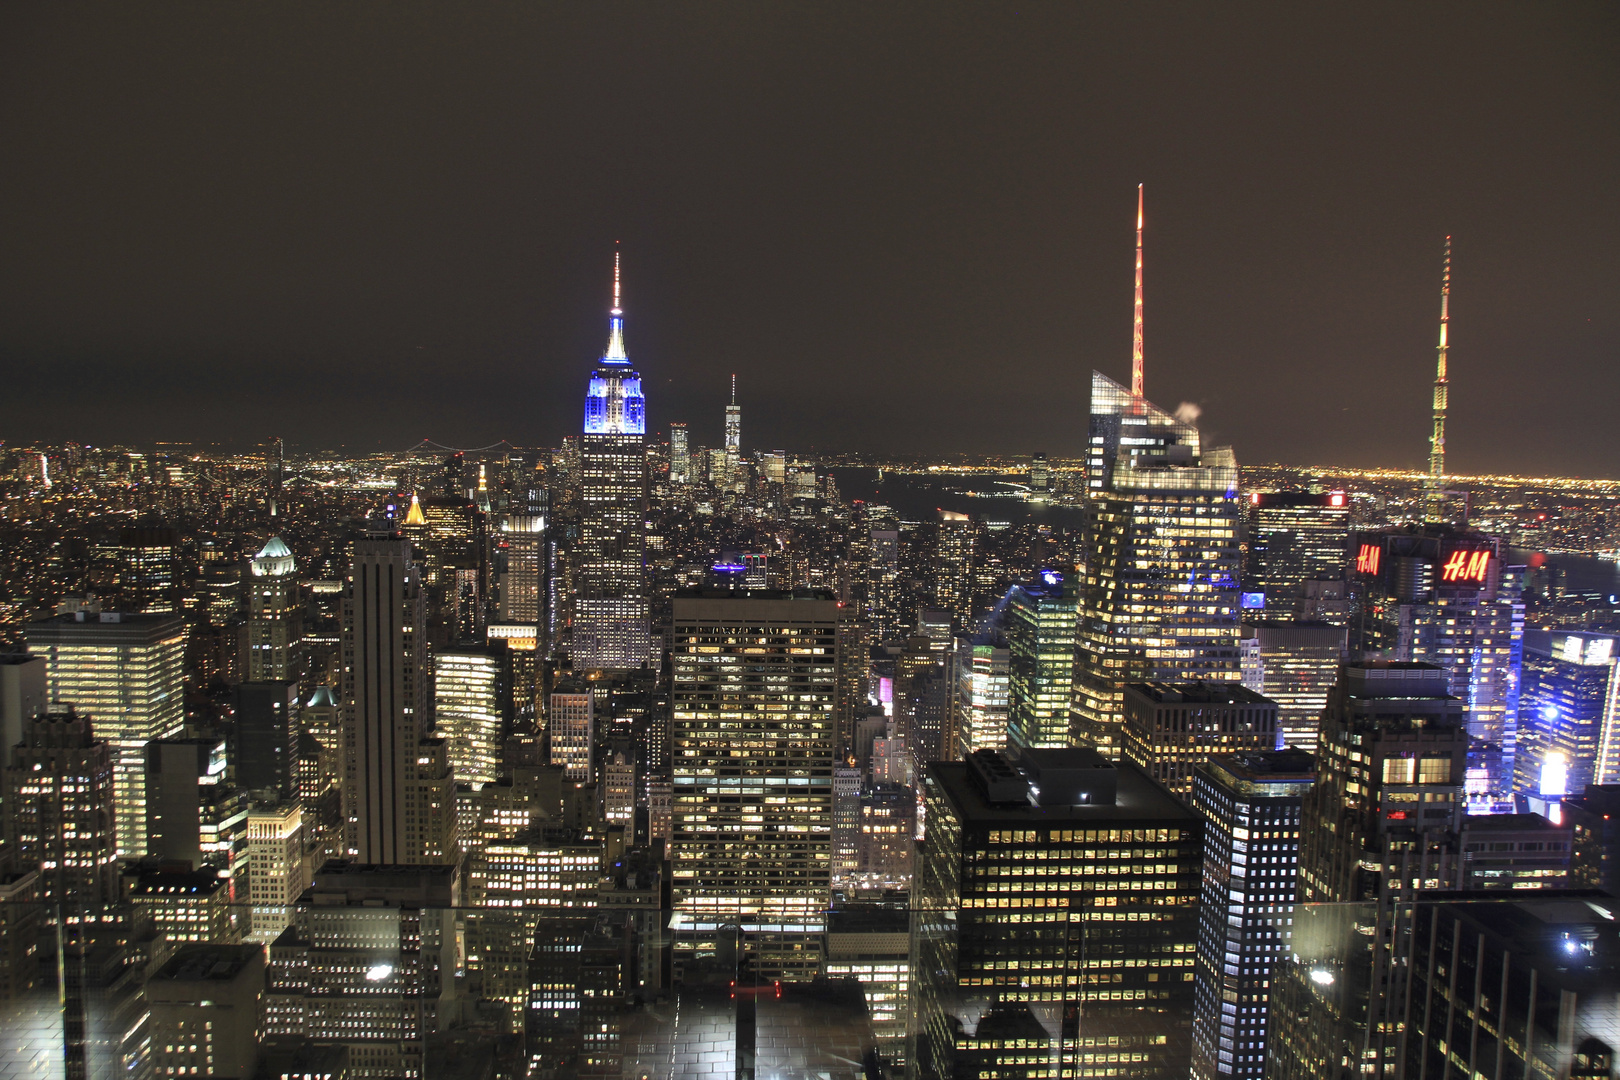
(1199, 693)
(1137, 799)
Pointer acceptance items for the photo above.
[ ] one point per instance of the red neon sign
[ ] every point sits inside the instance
(1367, 559)
(1466, 566)
(1336, 499)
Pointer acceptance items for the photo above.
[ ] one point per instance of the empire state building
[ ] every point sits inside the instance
(611, 610)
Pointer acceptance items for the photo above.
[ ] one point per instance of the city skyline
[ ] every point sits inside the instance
(1293, 228)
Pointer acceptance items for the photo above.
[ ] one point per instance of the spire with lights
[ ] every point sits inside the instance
(1136, 333)
(1442, 387)
(615, 348)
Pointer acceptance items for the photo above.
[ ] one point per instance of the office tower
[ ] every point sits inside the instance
(1514, 851)
(1293, 664)
(1434, 502)
(1040, 478)
(618, 788)
(1435, 595)
(23, 695)
(1172, 728)
(368, 963)
(854, 658)
(983, 687)
(194, 816)
(149, 569)
(523, 545)
(185, 905)
(660, 812)
(59, 813)
(922, 698)
(1378, 831)
(846, 829)
(1294, 537)
(518, 647)
(540, 870)
(883, 584)
(275, 616)
(322, 717)
(266, 750)
(398, 791)
(1250, 803)
(772, 466)
(448, 535)
(24, 936)
(1060, 888)
(953, 566)
(1040, 661)
(571, 725)
(1569, 709)
(1159, 600)
(611, 612)
(871, 943)
(734, 472)
(1521, 987)
(275, 849)
(207, 1005)
(719, 470)
(680, 454)
(753, 744)
(469, 709)
(126, 672)
(888, 830)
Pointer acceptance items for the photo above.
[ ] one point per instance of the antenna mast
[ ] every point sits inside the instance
(1136, 334)
(1437, 439)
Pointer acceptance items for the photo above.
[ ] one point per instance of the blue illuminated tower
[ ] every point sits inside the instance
(611, 609)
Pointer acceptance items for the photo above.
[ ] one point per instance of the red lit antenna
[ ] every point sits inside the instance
(1136, 334)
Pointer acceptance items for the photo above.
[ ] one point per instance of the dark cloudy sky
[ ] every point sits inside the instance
(907, 226)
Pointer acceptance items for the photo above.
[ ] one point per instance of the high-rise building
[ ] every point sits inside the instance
(59, 814)
(126, 672)
(1436, 595)
(266, 750)
(194, 815)
(184, 905)
(888, 833)
(611, 627)
(368, 963)
(207, 1006)
(680, 454)
(571, 725)
(1569, 714)
(753, 744)
(734, 437)
(1040, 661)
(149, 569)
(1159, 600)
(846, 830)
(398, 791)
(275, 626)
(23, 695)
(953, 566)
(1040, 478)
(469, 709)
(275, 846)
(883, 584)
(1053, 920)
(1250, 803)
(522, 543)
(983, 688)
(871, 943)
(1293, 537)
(1172, 728)
(1295, 665)
(1378, 830)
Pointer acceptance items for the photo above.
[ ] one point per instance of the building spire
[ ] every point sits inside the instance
(1136, 333)
(1437, 439)
(615, 353)
(734, 388)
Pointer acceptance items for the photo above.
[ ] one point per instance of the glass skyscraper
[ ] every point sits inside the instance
(1040, 661)
(611, 609)
(1159, 598)
(1293, 537)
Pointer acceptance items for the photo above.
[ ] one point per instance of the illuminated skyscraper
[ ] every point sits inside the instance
(734, 437)
(611, 610)
(1040, 664)
(1250, 803)
(275, 844)
(1295, 665)
(149, 569)
(398, 791)
(1569, 714)
(1053, 921)
(1159, 601)
(125, 672)
(571, 723)
(59, 810)
(752, 744)
(469, 710)
(953, 566)
(1294, 537)
(522, 543)
(275, 616)
(680, 454)
(1437, 595)
(1040, 479)
(982, 694)
(1172, 728)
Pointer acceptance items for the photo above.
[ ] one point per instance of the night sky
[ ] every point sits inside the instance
(908, 227)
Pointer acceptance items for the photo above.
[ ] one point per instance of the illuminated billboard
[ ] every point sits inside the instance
(1466, 566)
(1368, 558)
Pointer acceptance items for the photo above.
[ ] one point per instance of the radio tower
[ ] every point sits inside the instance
(1136, 334)
(1437, 440)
